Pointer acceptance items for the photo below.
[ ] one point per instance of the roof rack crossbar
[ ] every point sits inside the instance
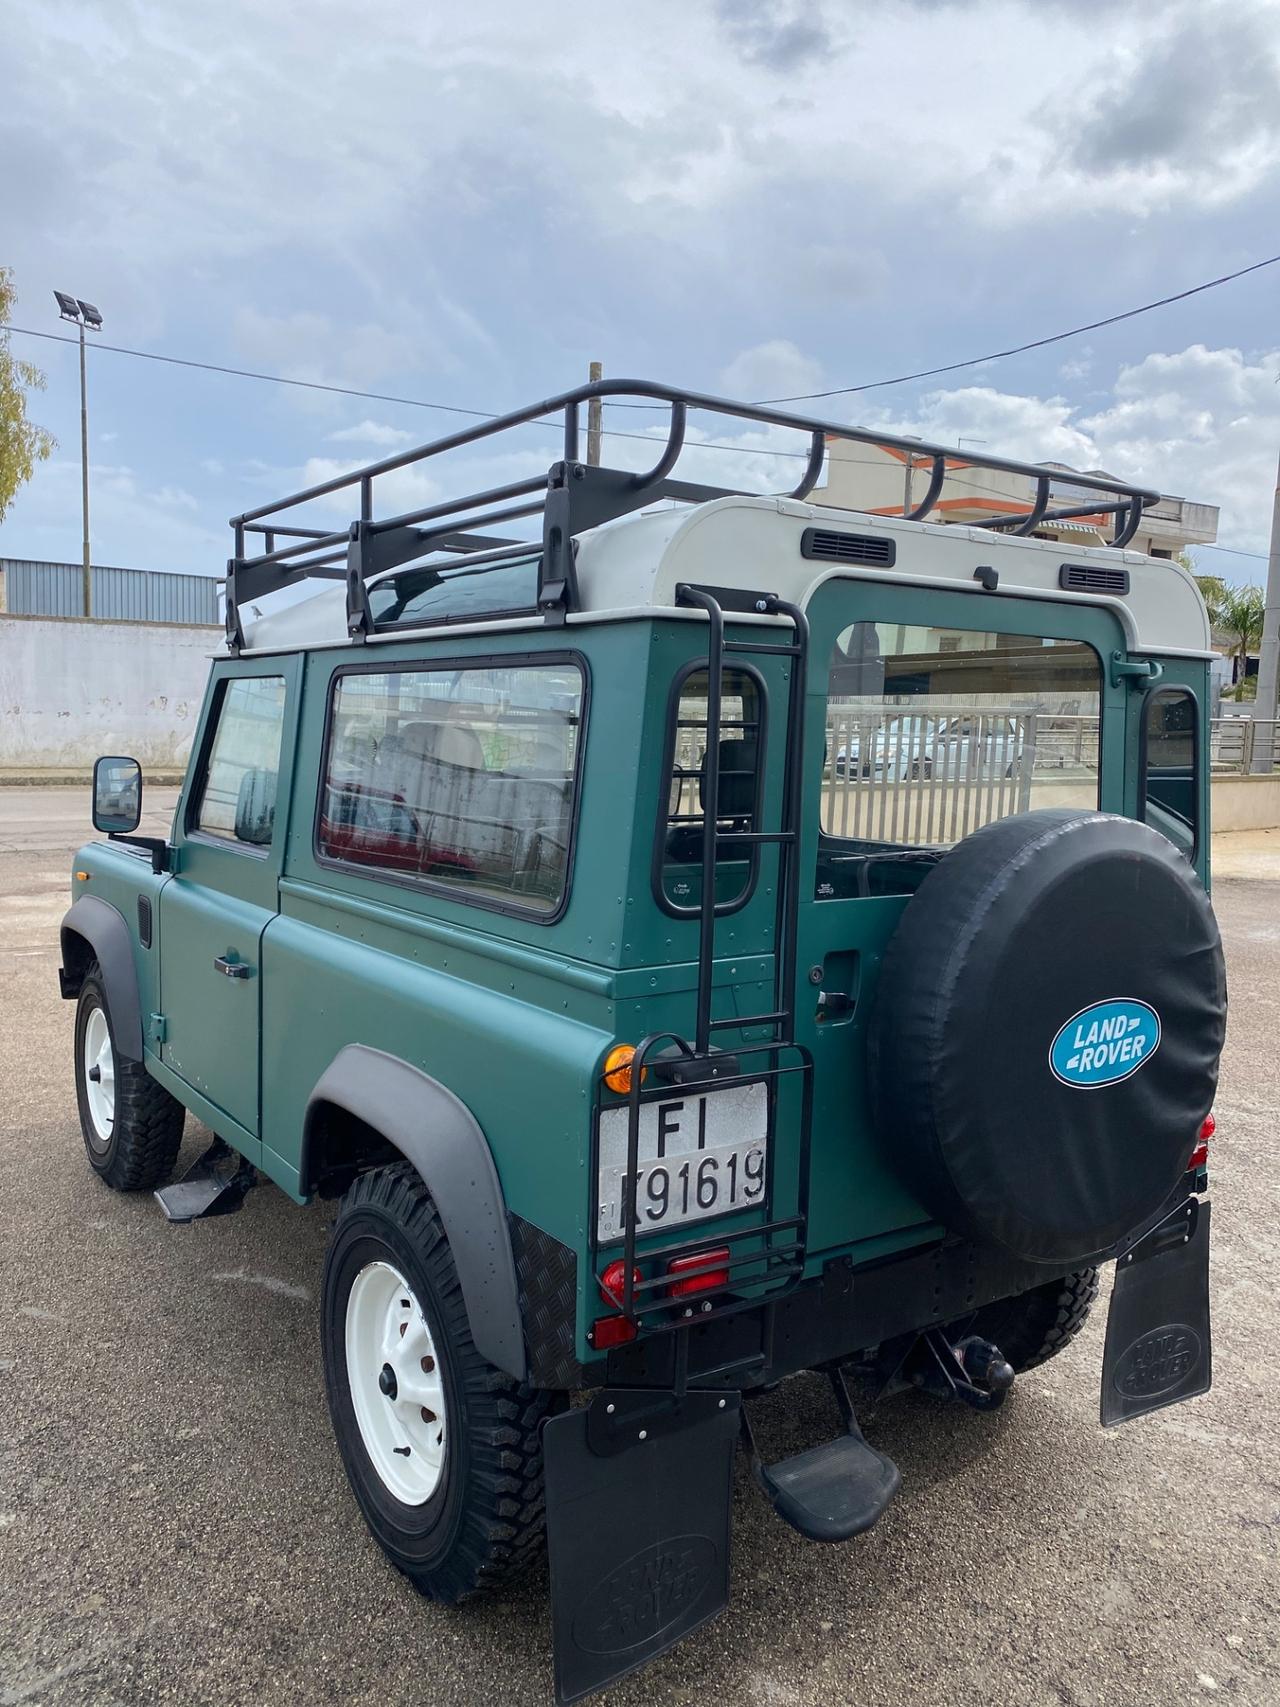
(574, 496)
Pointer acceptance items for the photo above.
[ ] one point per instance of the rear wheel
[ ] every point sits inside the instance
(442, 1450)
(132, 1127)
(1036, 1325)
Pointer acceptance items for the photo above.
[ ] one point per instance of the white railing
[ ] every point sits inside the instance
(930, 778)
(1240, 745)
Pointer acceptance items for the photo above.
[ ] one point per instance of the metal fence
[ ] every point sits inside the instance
(1239, 745)
(907, 776)
(117, 595)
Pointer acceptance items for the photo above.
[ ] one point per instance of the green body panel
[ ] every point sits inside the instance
(514, 1014)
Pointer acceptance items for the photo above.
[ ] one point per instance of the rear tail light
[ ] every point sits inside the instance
(613, 1282)
(707, 1272)
(1200, 1155)
(609, 1331)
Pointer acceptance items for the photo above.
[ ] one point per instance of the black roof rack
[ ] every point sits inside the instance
(573, 496)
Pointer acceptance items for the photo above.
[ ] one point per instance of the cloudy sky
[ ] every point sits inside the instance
(465, 204)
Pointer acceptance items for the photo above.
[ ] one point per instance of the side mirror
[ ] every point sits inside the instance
(117, 796)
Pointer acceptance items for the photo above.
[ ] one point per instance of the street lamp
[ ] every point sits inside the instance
(83, 314)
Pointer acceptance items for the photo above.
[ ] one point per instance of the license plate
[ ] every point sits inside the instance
(699, 1156)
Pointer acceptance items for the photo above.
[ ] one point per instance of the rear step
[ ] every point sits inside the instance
(833, 1491)
(214, 1184)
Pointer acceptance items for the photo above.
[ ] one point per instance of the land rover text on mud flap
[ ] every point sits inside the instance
(699, 937)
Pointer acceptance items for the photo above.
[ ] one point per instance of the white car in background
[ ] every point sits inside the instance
(899, 749)
(975, 744)
(966, 744)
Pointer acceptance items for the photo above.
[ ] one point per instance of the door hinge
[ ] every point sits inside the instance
(1138, 672)
(157, 1027)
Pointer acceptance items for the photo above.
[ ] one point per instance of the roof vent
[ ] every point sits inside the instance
(834, 547)
(1093, 578)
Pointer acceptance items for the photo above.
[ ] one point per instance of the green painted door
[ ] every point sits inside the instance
(215, 910)
(929, 714)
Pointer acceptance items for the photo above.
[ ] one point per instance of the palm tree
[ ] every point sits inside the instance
(1239, 617)
(1213, 590)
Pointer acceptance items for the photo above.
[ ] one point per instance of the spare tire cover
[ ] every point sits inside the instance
(1045, 1040)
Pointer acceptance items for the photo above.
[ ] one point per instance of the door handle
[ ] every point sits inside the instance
(231, 966)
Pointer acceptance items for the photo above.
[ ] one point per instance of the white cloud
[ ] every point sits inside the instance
(775, 369)
(129, 525)
(368, 432)
(1202, 424)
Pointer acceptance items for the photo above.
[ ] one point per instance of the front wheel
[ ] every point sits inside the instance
(442, 1450)
(132, 1127)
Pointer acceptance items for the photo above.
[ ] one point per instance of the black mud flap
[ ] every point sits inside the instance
(1158, 1350)
(638, 1496)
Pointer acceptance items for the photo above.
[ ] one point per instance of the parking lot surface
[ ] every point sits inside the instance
(175, 1526)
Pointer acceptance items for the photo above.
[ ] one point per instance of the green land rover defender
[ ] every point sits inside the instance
(699, 937)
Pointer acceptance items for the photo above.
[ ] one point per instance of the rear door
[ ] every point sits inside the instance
(230, 837)
(882, 658)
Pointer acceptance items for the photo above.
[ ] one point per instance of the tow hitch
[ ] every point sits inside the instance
(972, 1370)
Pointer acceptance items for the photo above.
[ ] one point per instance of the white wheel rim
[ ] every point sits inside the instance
(396, 1385)
(99, 1078)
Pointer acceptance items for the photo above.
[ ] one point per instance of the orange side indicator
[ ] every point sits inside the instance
(617, 1068)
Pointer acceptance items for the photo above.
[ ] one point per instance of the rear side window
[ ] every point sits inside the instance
(678, 866)
(238, 791)
(1170, 768)
(463, 778)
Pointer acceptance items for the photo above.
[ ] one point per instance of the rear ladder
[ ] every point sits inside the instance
(767, 1257)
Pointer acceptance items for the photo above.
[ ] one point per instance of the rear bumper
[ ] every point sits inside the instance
(845, 1311)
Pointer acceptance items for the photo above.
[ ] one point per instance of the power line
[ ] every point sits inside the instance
(1035, 344)
(248, 373)
(1231, 551)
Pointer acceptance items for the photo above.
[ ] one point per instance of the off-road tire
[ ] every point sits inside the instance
(1037, 1325)
(485, 1523)
(146, 1133)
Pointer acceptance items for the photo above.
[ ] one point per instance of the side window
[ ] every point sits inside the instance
(1170, 767)
(463, 777)
(238, 792)
(678, 874)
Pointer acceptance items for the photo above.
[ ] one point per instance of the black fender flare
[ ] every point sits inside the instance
(437, 1132)
(103, 927)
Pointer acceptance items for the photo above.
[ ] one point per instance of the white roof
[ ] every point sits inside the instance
(631, 567)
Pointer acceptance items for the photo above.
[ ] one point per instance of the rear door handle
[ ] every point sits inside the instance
(231, 966)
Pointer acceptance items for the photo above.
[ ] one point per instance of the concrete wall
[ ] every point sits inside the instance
(71, 690)
(1245, 802)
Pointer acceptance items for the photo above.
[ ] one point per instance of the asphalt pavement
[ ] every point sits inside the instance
(175, 1526)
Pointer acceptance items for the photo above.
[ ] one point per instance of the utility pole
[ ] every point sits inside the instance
(84, 314)
(595, 418)
(907, 473)
(1264, 706)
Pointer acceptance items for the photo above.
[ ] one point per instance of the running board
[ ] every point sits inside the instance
(214, 1184)
(833, 1491)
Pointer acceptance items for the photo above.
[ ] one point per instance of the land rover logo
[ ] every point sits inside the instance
(1157, 1362)
(1105, 1043)
(657, 1588)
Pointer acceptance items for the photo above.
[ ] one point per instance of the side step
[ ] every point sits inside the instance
(214, 1184)
(833, 1491)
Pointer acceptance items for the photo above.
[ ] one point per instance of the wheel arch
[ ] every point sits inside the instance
(92, 929)
(367, 1093)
